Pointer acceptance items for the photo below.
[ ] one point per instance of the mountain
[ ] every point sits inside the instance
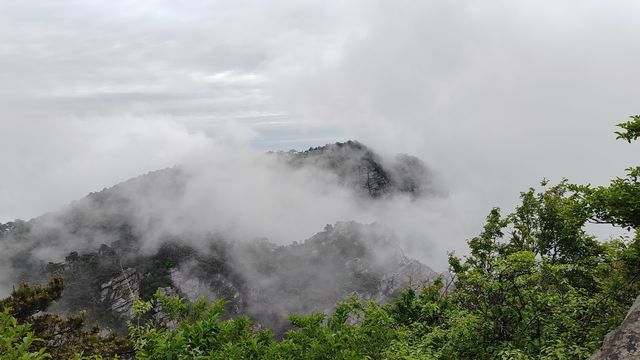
(113, 246)
(360, 168)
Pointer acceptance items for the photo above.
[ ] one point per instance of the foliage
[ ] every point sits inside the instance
(618, 203)
(194, 331)
(16, 340)
(538, 284)
(61, 337)
(355, 330)
(27, 300)
(631, 129)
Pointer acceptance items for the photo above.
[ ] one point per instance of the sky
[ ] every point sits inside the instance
(493, 96)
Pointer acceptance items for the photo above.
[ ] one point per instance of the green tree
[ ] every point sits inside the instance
(63, 337)
(631, 129)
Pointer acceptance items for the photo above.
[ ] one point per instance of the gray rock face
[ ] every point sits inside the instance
(623, 342)
(409, 272)
(120, 292)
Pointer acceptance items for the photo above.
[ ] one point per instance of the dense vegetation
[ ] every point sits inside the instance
(26, 332)
(535, 285)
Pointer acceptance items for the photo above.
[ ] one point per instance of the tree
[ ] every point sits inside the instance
(631, 129)
(61, 337)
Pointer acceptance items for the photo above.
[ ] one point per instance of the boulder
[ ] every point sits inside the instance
(624, 341)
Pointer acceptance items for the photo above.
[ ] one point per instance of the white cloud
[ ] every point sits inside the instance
(494, 96)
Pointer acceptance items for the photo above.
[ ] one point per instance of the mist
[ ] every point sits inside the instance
(242, 194)
(492, 97)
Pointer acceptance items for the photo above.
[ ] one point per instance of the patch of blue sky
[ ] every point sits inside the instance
(287, 136)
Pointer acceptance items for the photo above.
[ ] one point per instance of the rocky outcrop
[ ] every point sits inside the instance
(359, 168)
(119, 293)
(623, 343)
(409, 272)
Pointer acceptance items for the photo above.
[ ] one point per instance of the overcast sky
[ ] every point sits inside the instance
(494, 96)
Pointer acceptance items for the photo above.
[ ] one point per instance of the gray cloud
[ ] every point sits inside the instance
(494, 96)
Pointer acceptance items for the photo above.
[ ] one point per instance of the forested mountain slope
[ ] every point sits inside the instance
(111, 247)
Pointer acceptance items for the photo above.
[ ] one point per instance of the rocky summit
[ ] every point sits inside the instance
(358, 167)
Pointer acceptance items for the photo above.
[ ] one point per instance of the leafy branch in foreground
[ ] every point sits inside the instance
(631, 129)
(17, 340)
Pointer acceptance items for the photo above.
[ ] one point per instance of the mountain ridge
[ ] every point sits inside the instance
(107, 263)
